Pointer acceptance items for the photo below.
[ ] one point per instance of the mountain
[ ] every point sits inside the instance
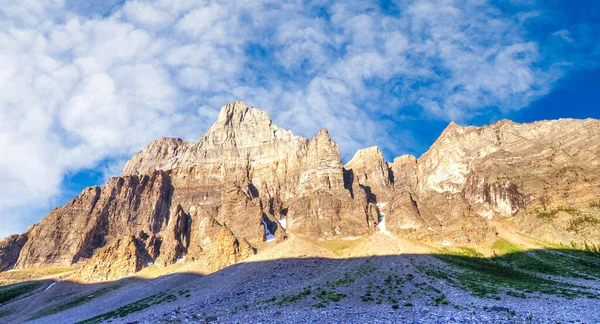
(248, 184)
(252, 223)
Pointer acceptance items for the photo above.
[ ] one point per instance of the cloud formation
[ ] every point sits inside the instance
(90, 84)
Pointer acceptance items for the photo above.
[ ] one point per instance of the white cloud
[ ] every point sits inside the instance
(79, 88)
(564, 34)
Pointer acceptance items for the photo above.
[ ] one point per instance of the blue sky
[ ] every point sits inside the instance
(86, 84)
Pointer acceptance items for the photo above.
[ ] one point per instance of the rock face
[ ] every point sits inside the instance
(124, 206)
(248, 183)
(403, 172)
(122, 257)
(369, 170)
(322, 168)
(10, 248)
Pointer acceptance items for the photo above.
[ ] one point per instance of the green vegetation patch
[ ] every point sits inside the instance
(514, 272)
(292, 298)
(570, 263)
(10, 292)
(585, 220)
(338, 247)
(503, 246)
(75, 301)
(550, 213)
(132, 308)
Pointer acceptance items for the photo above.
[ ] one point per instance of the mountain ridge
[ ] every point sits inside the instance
(220, 199)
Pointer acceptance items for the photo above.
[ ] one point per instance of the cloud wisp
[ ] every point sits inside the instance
(90, 84)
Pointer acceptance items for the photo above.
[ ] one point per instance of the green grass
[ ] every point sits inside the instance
(132, 308)
(515, 272)
(10, 292)
(75, 301)
(576, 264)
(285, 299)
(503, 246)
(337, 247)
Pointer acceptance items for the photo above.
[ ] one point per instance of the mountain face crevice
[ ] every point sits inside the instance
(248, 181)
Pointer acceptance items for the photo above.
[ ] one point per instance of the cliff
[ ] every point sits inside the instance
(247, 183)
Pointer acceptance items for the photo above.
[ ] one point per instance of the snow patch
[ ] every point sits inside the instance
(52, 284)
(283, 222)
(381, 225)
(149, 263)
(381, 222)
(429, 228)
(446, 243)
(268, 235)
(180, 259)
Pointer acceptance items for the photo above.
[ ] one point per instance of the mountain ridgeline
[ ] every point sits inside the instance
(248, 183)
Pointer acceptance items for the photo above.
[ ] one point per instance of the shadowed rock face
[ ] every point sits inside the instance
(124, 206)
(122, 257)
(10, 248)
(371, 172)
(247, 180)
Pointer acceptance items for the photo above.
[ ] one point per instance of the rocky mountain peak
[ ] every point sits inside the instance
(366, 154)
(248, 183)
(370, 170)
(234, 114)
(238, 126)
(323, 133)
(451, 131)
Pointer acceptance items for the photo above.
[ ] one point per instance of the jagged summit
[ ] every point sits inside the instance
(240, 126)
(248, 184)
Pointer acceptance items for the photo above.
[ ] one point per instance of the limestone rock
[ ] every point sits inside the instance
(322, 168)
(10, 248)
(216, 199)
(371, 171)
(243, 145)
(403, 172)
(122, 257)
(324, 214)
(124, 206)
(227, 250)
(241, 215)
(402, 213)
(175, 238)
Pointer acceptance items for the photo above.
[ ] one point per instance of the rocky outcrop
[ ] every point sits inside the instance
(492, 198)
(524, 158)
(10, 248)
(403, 173)
(122, 257)
(227, 250)
(326, 215)
(248, 183)
(322, 166)
(175, 239)
(402, 213)
(124, 206)
(370, 171)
